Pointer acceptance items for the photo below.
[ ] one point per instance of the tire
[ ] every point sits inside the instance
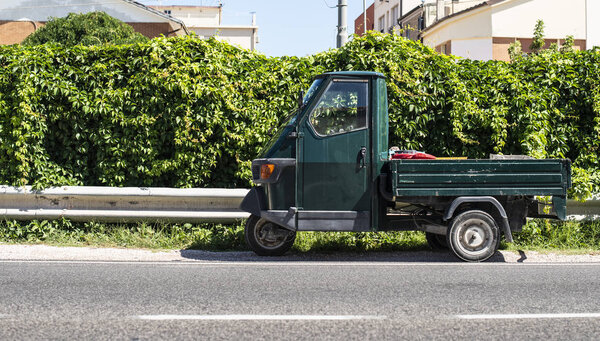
(473, 236)
(436, 241)
(266, 238)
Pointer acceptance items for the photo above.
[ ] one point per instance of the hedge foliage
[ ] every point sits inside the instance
(183, 112)
(93, 28)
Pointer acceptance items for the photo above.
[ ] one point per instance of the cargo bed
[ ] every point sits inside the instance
(480, 177)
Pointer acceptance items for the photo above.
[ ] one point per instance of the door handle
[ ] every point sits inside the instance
(363, 156)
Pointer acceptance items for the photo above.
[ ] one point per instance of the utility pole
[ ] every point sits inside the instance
(365, 16)
(342, 36)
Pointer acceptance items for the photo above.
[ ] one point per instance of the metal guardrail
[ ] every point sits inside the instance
(589, 209)
(132, 204)
(129, 204)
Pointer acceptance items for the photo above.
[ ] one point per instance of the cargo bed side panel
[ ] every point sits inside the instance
(480, 177)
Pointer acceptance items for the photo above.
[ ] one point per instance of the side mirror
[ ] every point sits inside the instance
(300, 99)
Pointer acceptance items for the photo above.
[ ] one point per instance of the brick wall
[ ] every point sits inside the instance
(359, 22)
(153, 30)
(500, 45)
(14, 32)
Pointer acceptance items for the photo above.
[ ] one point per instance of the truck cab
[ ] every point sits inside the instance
(328, 168)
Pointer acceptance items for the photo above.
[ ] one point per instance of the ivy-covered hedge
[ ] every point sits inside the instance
(182, 112)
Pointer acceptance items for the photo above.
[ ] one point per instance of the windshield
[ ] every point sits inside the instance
(273, 138)
(290, 119)
(311, 91)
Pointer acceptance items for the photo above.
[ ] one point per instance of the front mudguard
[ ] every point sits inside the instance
(255, 201)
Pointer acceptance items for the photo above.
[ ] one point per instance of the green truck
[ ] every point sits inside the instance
(328, 168)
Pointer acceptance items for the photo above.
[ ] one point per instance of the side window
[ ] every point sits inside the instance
(342, 108)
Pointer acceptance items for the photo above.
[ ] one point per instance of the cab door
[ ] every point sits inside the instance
(333, 180)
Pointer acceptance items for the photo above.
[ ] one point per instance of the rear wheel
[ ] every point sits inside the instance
(266, 238)
(436, 241)
(473, 236)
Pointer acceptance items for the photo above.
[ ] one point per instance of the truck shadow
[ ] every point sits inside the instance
(383, 257)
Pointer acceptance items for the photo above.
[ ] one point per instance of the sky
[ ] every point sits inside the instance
(285, 27)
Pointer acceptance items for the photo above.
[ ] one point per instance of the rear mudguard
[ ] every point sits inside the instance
(503, 217)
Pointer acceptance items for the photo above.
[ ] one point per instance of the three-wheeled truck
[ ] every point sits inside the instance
(328, 168)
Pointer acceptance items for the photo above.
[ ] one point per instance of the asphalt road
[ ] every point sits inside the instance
(255, 300)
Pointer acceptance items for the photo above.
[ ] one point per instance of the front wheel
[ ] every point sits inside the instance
(266, 238)
(473, 236)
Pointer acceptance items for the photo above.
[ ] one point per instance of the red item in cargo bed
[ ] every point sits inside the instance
(405, 155)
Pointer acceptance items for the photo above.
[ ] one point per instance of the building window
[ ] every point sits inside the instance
(444, 48)
(394, 16)
(382, 24)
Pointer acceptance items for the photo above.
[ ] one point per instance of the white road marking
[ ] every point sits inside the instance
(527, 316)
(299, 263)
(260, 317)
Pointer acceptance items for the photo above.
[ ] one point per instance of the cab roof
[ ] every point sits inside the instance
(353, 74)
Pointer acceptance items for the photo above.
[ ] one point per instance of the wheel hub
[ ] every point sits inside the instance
(271, 236)
(474, 236)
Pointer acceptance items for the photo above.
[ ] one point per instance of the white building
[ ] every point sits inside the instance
(387, 13)
(414, 15)
(484, 32)
(205, 21)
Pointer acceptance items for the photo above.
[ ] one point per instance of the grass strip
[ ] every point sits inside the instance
(537, 235)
